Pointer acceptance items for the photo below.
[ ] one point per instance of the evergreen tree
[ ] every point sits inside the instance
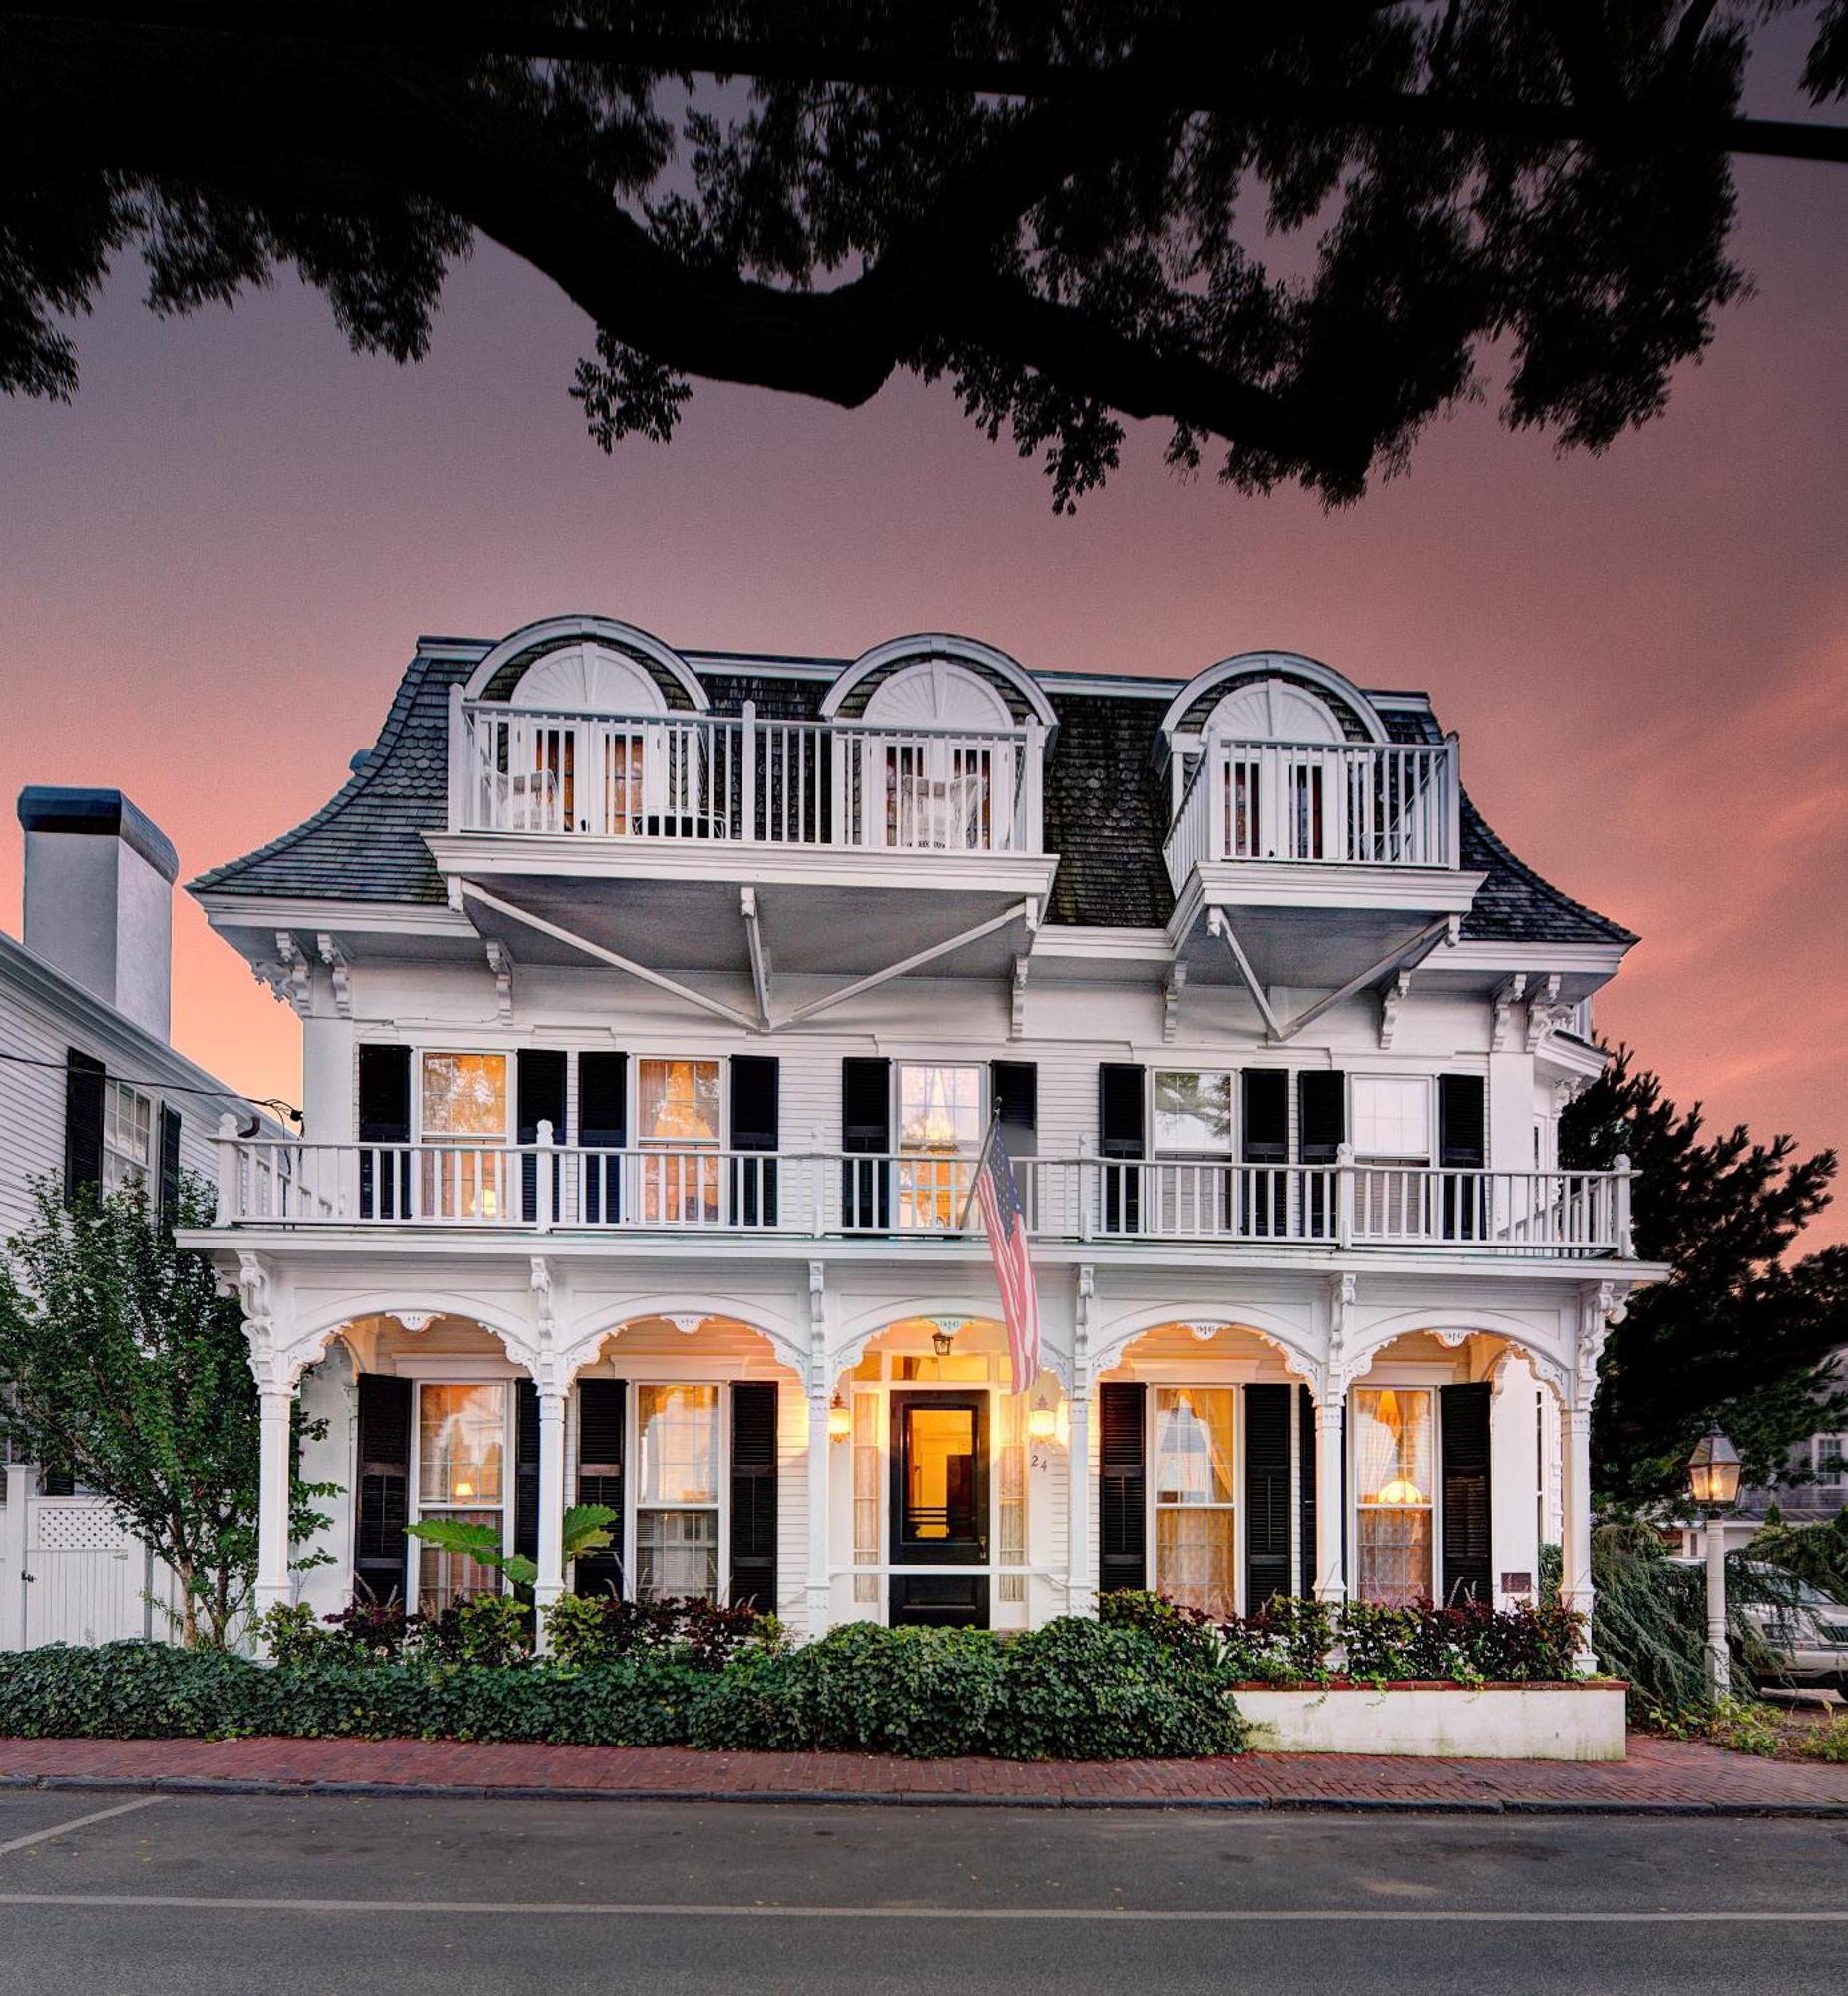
(1738, 1333)
(122, 1365)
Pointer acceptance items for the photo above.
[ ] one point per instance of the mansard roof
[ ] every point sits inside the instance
(1105, 799)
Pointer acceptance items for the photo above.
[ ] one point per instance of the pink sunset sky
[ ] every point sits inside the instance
(215, 563)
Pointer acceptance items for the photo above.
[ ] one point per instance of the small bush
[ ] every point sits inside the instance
(1827, 1742)
(1472, 1643)
(132, 1690)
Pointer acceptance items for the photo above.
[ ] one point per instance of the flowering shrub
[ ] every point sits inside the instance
(595, 1629)
(1292, 1641)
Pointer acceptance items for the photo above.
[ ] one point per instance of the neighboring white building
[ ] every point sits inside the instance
(654, 1004)
(91, 1091)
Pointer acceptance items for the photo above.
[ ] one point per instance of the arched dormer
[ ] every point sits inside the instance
(1271, 697)
(936, 681)
(592, 664)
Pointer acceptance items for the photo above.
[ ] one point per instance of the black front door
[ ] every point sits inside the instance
(940, 1507)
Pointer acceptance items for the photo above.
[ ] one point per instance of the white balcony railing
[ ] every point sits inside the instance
(838, 783)
(1353, 803)
(837, 1193)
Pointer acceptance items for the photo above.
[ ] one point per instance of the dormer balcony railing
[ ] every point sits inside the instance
(842, 784)
(1342, 804)
(694, 1191)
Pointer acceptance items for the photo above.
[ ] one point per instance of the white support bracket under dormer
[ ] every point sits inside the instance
(1395, 964)
(1027, 911)
(1017, 998)
(704, 1000)
(340, 973)
(759, 954)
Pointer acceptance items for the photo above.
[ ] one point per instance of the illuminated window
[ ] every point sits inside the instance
(676, 1493)
(677, 1118)
(1195, 1541)
(1392, 1482)
(127, 1135)
(1192, 1112)
(939, 1132)
(461, 1443)
(464, 1120)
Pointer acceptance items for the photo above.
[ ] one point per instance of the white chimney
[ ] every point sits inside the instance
(100, 897)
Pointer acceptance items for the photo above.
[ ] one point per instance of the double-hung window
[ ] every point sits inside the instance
(461, 1453)
(1195, 1536)
(1192, 1129)
(679, 1129)
(678, 1449)
(939, 1132)
(127, 1135)
(464, 1126)
(1392, 1141)
(1393, 1488)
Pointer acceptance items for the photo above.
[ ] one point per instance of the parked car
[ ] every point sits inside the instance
(1809, 1630)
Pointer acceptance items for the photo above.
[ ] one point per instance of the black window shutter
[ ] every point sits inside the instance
(1463, 1422)
(1017, 1105)
(1121, 1101)
(1123, 1484)
(1305, 1477)
(1267, 1494)
(384, 1118)
(1266, 1116)
(600, 1479)
(526, 1468)
(83, 1123)
(756, 1126)
(1264, 1204)
(602, 1125)
(753, 1495)
(1462, 1146)
(379, 1538)
(1461, 1127)
(539, 1097)
(1321, 1129)
(866, 1126)
(170, 1165)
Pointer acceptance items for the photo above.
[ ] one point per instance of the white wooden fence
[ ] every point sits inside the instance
(69, 1572)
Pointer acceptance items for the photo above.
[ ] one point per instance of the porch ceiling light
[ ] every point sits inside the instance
(840, 1421)
(1713, 1472)
(1041, 1427)
(942, 1342)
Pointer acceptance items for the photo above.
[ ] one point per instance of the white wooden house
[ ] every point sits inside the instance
(91, 1091)
(655, 1003)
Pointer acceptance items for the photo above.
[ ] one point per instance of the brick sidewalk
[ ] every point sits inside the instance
(1659, 1773)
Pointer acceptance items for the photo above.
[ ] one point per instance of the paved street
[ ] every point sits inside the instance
(106, 1892)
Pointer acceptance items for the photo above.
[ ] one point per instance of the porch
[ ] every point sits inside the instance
(685, 1189)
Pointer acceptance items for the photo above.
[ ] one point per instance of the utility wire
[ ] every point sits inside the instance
(287, 1109)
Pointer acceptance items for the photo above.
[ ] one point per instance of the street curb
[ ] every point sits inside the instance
(1350, 1805)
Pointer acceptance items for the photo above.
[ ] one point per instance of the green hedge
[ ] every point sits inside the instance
(1074, 1690)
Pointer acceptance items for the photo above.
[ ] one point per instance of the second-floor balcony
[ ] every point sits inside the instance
(1317, 803)
(695, 1192)
(701, 778)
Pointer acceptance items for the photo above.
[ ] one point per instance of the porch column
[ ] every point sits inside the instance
(551, 1549)
(1330, 1501)
(275, 1410)
(820, 1587)
(1080, 1590)
(1576, 1506)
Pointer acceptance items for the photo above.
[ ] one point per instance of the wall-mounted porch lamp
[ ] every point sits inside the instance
(1041, 1425)
(840, 1421)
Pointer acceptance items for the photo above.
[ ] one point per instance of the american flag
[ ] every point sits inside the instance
(1006, 1221)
